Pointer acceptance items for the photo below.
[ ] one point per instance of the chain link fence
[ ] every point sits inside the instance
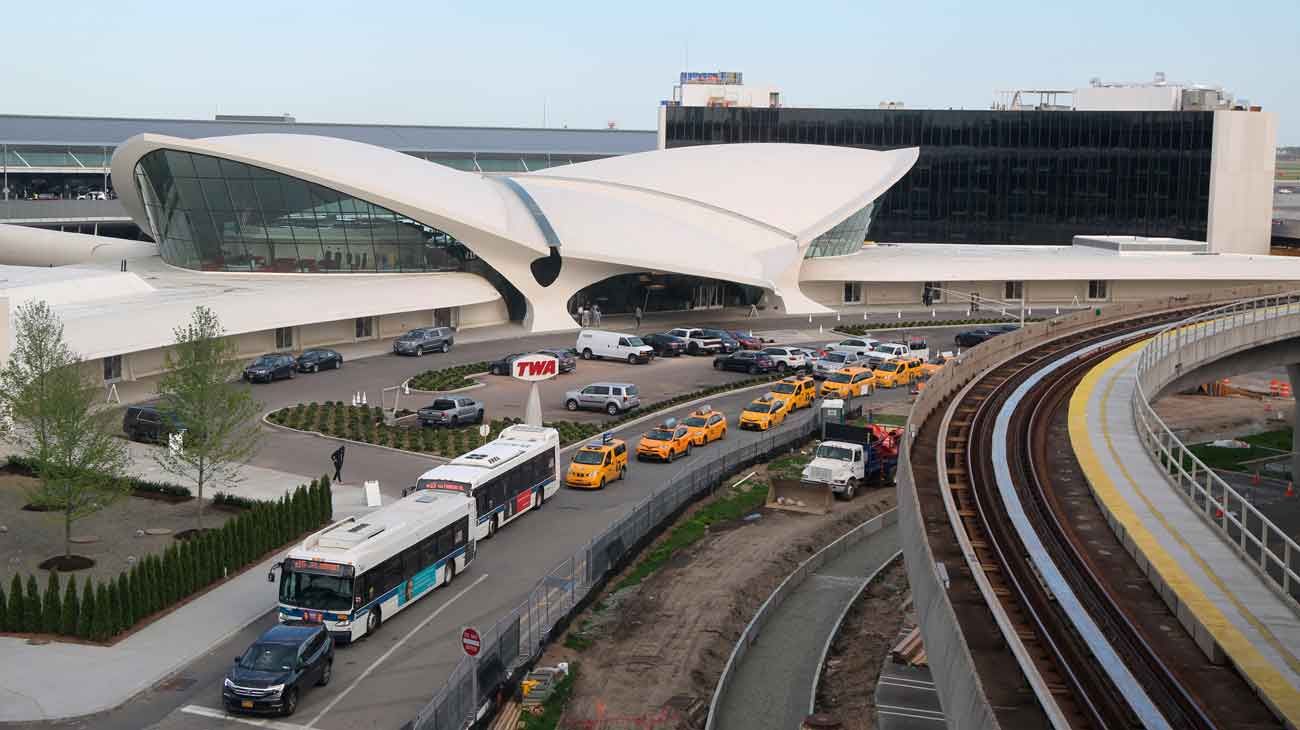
(519, 637)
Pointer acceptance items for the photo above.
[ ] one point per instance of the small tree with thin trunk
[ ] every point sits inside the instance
(218, 415)
(56, 419)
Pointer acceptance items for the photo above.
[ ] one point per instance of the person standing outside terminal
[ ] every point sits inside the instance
(337, 458)
(584, 316)
(595, 313)
(637, 314)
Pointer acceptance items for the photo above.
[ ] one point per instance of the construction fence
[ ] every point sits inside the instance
(519, 637)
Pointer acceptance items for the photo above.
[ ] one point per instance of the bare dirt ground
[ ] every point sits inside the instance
(658, 648)
(848, 685)
(31, 537)
(1200, 418)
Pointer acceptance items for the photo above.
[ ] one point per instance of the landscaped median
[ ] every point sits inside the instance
(366, 424)
(448, 379)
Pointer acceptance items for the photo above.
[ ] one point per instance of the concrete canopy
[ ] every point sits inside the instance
(744, 213)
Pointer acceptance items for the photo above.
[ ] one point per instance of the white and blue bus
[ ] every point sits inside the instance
(359, 571)
(506, 478)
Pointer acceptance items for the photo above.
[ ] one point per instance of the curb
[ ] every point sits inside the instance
(835, 632)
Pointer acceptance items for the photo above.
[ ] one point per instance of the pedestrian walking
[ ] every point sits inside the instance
(595, 310)
(753, 310)
(584, 316)
(337, 458)
(637, 314)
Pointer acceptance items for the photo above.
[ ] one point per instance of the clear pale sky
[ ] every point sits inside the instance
(503, 63)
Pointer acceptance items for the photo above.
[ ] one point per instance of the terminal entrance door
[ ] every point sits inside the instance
(446, 317)
(707, 295)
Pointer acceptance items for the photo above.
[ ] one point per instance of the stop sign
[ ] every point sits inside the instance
(470, 641)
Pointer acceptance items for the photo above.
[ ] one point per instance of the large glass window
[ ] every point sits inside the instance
(218, 215)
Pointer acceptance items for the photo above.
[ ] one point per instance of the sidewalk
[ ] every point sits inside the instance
(773, 685)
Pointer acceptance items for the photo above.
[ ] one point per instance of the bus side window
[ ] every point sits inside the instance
(445, 541)
(428, 551)
(411, 561)
(462, 528)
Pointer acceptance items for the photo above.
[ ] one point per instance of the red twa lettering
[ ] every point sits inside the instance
(532, 368)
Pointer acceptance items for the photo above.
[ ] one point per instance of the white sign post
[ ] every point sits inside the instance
(483, 431)
(534, 369)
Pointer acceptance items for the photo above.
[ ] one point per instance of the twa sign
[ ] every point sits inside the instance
(536, 367)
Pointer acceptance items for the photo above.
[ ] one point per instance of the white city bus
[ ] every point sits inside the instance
(507, 477)
(359, 571)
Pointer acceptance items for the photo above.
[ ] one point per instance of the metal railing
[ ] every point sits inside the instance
(519, 637)
(1192, 342)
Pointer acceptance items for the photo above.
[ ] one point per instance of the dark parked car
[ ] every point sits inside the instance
(729, 343)
(747, 340)
(567, 362)
(319, 359)
(971, 338)
(270, 675)
(425, 339)
(747, 361)
(451, 411)
(148, 423)
(275, 366)
(501, 365)
(665, 345)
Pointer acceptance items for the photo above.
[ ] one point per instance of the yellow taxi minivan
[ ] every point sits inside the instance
(849, 382)
(799, 390)
(597, 464)
(900, 372)
(665, 442)
(764, 413)
(705, 425)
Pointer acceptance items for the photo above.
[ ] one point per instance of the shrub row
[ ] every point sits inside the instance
(27, 467)
(857, 330)
(99, 611)
(448, 378)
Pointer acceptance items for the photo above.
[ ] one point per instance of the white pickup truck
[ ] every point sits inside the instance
(697, 342)
(886, 351)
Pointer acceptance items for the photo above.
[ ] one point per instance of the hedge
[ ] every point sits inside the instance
(99, 611)
(857, 330)
(448, 378)
(366, 423)
(27, 467)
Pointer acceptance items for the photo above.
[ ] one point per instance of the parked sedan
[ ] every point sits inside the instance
(425, 339)
(502, 365)
(665, 345)
(320, 359)
(748, 361)
(567, 362)
(971, 338)
(747, 340)
(274, 366)
(451, 411)
(729, 343)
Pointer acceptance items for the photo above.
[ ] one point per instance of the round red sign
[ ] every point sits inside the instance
(470, 642)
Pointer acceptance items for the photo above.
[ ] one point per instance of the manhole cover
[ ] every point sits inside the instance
(176, 684)
(83, 539)
(158, 531)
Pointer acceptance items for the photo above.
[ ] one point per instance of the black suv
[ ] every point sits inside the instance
(748, 361)
(270, 675)
(148, 423)
(275, 366)
(426, 339)
(319, 359)
(665, 345)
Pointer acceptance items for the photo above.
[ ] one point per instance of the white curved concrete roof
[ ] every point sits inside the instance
(29, 246)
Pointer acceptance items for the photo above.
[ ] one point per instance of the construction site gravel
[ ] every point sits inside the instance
(652, 653)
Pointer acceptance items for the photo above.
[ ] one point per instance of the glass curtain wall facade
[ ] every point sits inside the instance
(1019, 177)
(845, 238)
(213, 214)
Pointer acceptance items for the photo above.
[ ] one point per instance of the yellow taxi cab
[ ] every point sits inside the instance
(895, 373)
(597, 464)
(705, 425)
(849, 382)
(928, 369)
(665, 442)
(764, 413)
(799, 390)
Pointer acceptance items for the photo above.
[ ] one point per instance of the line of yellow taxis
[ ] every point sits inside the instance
(598, 463)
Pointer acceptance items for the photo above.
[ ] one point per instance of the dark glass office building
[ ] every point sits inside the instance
(1006, 177)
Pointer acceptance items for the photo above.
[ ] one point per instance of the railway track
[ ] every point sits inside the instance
(1092, 629)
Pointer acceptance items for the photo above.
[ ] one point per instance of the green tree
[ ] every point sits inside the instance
(327, 497)
(220, 416)
(52, 605)
(32, 619)
(71, 609)
(79, 461)
(102, 624)
(86, 622)
(139, 597)
(4, 610)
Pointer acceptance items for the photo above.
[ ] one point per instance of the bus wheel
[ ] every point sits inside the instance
(492, 528)
(451, 572)
(373, 621)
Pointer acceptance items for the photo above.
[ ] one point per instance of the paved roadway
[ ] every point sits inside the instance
(382, 681)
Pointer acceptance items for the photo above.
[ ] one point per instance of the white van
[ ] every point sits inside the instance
(597, 343)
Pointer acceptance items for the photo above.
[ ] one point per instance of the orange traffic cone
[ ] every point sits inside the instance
(1218, 513)
(1254, 479)
(1290, 489)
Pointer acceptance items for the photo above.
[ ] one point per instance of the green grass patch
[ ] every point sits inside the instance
(445, 379)
(554, 706)
(789, 466)
(578, 639)
(884, 419)
(735, 505)
(1269, 443)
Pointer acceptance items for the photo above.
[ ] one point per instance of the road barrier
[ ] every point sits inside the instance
(518, 638)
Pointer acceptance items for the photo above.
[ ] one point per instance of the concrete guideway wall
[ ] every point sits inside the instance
(960, 692)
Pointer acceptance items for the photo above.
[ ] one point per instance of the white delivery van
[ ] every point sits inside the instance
(613, 345)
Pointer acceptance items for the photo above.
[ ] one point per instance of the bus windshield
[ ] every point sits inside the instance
(588, 457)
(318, 592)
